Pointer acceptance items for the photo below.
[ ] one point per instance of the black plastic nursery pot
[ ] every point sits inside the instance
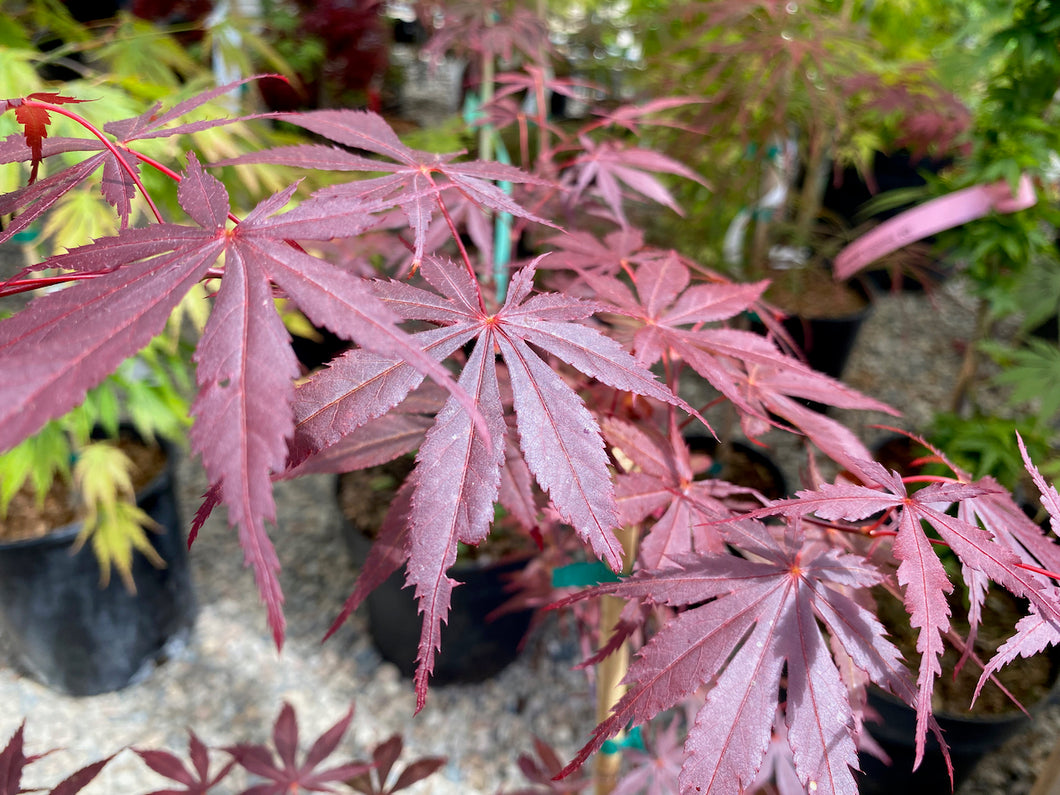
(79, 638)
(475, 643)
(743, 465)
(827, 342)
(969, 738)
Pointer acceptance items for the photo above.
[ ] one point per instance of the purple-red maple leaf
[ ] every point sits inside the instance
(560, 440)
(245, 363)
(655, 770)
(13, 761)
(582, 251)
(631, 117)
(281, 769)
(662, 485)
(487, 28)
(664, 317)
(607, 166)
(750, 621)
(35, 118)
(536, 82)
(1037, 631)
(384, 755)
(415, 181)
(541, 770)
(196, 781)
(921, 575)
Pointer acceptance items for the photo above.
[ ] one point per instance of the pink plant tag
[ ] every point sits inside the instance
(934, 216)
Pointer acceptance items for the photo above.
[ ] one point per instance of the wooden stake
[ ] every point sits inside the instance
(612, 669)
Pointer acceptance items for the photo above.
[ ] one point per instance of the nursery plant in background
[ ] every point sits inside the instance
(796, 92)
(1007, 259)
(567, 381)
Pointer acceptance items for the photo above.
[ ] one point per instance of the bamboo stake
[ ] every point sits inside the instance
(612, 669)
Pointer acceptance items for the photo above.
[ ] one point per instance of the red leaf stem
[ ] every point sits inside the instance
(463, 250)
(928, 479)
(16, 286)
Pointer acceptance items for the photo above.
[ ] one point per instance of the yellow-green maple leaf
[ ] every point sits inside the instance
(114, 523)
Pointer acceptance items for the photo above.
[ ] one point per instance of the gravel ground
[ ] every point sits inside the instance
(229, 682)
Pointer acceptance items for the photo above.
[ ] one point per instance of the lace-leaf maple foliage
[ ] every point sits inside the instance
(560, 398)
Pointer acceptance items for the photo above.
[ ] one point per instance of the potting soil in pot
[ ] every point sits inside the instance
(81, 638)
(970, 732)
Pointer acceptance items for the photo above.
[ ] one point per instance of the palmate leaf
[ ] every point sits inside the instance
(752, 620)
(665, 317)
(491, 28)
(384, 755)
(458, 467)
(608, 166)
(280, 767)
(581, 251)
(35, 120)
(1035, 632)
(656, 769)
(13, 761)
(196, 781)
(923, 579)
(414, 181)
(541, 770)
(246, 366)
(663, 485)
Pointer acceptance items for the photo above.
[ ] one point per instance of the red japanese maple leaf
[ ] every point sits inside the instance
(415, 180)
(667, 317)
(281, 769)
(487, 27)
(921, 575)
(583, 251)
(999, 514)
(35, 119)
(384, 755)
(536, 81)
(752, 620)
(196, 781)
(607, 166)
(631, 117)
(656, 769)
(1037, 631)
(13, 762)
(541, 770)
(662, 484)
(245, 363)
(559, 438)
